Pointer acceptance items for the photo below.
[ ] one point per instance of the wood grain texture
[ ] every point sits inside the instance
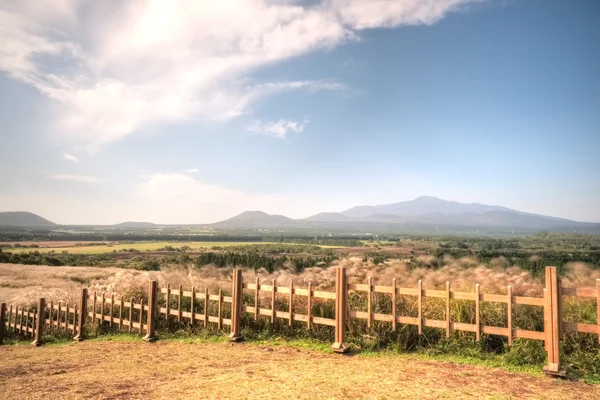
(448, 324)
(420, 306)
(477, 314)
(598, 307)
(509, 315)
(256, 298)
(394, 305)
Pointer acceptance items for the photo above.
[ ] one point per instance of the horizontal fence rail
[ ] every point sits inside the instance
(303, 305)
(290, 315)
(194, 314)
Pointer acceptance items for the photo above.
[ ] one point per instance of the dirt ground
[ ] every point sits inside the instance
(116, 370)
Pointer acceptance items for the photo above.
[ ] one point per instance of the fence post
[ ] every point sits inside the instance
(552, 322)
(83, 314)
(236, 306)
(2, 321)
(597, 307)
(152, 292)
(341, 310)
(39, 322)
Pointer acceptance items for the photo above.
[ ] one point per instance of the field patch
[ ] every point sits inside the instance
(57, 247)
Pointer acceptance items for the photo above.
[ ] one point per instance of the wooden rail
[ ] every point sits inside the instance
(140, 315)
(192, 315)
(290, 315)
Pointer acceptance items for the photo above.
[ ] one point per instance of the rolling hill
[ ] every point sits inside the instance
(425, 211)
(255, 220)
(421, 206)
(23, 219)
(328, 217)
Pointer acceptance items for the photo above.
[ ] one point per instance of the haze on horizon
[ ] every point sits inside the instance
(192, 112)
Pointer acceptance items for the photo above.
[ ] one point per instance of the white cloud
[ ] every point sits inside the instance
(70, 157)
(191, 171)
(279, 128)
(363, 14)
(114, 68)
(76, 178)
(179, 198)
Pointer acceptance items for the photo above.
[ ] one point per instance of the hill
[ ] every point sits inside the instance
(255, 220)
(23, 219)
(378, 217)
(328, 217)
(425, 211)
(421, 206)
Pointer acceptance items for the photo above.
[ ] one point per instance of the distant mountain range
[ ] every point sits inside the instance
(422, 211)
(24, 219)
(421, 206)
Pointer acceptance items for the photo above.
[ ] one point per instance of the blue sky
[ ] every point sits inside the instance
(181, 112)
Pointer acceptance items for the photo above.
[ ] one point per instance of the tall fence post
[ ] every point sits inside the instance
(598, 306)
(152, 293)
(341, 310)
(83, 314)
(553, 322)
(2, 321)
(236, 306)
(39, 321)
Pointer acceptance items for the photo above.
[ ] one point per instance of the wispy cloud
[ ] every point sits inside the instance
(70, 157)
(279, 128)
(191, 171)
(77, 178)
(200, 53)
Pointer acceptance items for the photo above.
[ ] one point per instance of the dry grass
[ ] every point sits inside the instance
(224, 371)
(24, 284)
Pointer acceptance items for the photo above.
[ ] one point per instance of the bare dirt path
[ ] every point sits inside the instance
(167, 370)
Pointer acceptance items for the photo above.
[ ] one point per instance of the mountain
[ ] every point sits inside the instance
(23, 219)
(328, 217)
(421, 206)
(255, 220)
(435, 211)
(377, 217)
(425, 211)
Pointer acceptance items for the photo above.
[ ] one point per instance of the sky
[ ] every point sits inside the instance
(194, 111)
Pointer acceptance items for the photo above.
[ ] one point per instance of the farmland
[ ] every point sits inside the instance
(86, 248)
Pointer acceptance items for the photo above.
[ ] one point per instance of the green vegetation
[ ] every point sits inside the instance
(257, 261)
(531, 253)
(132, 247)
(176, 234)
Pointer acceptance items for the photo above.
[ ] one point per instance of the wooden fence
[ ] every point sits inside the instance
(141, 316)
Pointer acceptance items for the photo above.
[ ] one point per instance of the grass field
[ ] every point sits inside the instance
(144, 246)
(131, 368)
(24, 284)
